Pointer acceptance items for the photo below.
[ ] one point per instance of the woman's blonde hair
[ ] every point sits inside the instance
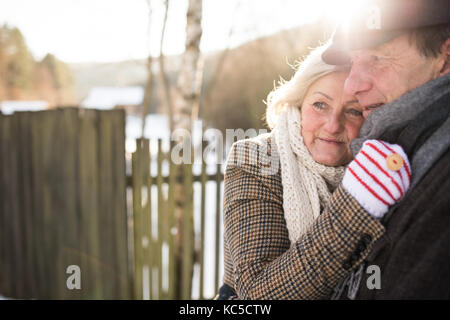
(291, 93)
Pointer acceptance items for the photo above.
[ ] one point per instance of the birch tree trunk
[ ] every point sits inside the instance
(190, 72)
(149, 82)
(188, 89)
(162, 72)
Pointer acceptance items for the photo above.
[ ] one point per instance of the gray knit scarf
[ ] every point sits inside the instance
(419, 121)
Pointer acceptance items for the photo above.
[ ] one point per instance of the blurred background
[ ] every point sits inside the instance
(91, 92)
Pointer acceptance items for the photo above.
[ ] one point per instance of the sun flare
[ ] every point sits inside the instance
(337, 12)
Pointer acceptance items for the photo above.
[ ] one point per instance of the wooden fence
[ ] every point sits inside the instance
(150, 241)
(63, 201)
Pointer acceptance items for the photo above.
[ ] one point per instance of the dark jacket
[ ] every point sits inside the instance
(414, 253)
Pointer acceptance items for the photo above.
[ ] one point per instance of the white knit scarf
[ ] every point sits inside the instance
(307, 185)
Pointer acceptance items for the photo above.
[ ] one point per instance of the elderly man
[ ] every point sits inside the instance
(365, 244)
(399, 53)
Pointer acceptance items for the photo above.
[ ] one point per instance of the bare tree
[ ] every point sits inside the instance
(162, 72)
(188, 88)
(190, 71)
(149, 83)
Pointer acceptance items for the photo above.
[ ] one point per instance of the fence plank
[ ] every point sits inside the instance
(50, 159)
(165, 231)
(8, 259)
(17, 219)
(106, 192)
(89, 205)
(38, 203)
(16, 206)
(202, 226)
(149, 259)
(2, 214)
(159, 241)
(173, 173)
(5, 277)
(188, 241)
(137, 222)
(67, 191)
(150, 244)
(24, 134)
(141, 216)
(56, 214)
(119, 204)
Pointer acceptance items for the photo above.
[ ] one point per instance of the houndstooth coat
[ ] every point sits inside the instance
(259, 260)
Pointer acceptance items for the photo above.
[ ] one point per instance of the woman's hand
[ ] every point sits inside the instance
(378, 177)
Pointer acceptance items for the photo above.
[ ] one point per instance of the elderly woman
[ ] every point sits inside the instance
(291, 230)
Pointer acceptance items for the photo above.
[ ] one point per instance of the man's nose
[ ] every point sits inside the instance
(357, 81)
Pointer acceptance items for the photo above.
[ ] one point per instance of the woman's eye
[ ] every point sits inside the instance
(319, 105)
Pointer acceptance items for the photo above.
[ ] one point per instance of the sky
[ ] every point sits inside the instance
(115, 30)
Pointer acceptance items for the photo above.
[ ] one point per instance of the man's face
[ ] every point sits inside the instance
(381, 75)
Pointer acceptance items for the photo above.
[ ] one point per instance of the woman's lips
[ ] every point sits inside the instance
(331, 141)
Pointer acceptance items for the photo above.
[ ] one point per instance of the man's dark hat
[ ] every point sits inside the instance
(382, 20)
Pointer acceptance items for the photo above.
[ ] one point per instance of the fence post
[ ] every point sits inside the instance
(173, 173)
(137, 219)
(161, 212)
(142, 216)
(203, 180)
(188, 232)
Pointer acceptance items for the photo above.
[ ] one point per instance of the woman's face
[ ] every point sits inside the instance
(330, 120)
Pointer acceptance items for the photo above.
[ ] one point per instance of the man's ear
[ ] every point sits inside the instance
(445, 51)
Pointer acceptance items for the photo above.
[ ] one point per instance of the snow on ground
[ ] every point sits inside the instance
(107, 98)
(9, 107)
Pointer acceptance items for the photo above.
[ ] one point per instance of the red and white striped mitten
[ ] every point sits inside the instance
(378, 177)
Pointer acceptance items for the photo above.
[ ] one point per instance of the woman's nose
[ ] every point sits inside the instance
(357, 81)
(334, 123)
